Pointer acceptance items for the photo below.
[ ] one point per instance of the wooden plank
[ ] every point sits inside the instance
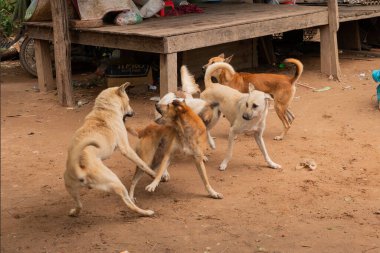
(43, 64)
(137, 43)
(247, 31)
(349, 36)
(358, 12)
(62, 52)
(329, 43)
(168, 73)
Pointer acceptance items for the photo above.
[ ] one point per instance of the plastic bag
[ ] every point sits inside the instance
(151, 8)
(128, 18)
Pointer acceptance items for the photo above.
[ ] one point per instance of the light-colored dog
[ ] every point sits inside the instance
(281, 87)
(245, 112)
(189, 88)
(179, 129)
(102, 132)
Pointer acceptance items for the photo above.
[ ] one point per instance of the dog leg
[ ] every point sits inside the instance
(74, 193)
(128, 152)
(163, 166)
(260, 142)
(231, 140)
(202, 172)
(136, 178)
(107, 180)
(290, 116)
(211, 141)
(281, 114)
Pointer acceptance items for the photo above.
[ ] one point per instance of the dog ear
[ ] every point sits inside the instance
(268, 96)
(221, 55)
(228, 59)
(123, 88)
(178, 105)
(251, 87)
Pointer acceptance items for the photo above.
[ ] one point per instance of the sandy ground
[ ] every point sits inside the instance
(335, 208)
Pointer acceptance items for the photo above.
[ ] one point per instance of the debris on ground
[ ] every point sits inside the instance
(307, 163)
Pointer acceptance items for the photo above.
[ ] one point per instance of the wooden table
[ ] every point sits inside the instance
(220, 23)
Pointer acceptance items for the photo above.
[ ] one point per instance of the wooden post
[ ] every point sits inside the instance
(329, 43)
(43, 64)
(62, 52)
(168, 73)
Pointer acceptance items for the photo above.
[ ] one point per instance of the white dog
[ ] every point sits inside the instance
(245, 112)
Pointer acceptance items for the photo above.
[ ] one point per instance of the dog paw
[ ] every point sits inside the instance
(274, 165)
(165, 177)
(74, 212)
(151, 187)
(223, 166)
(149, 212)
(278, 138)
(216, 195)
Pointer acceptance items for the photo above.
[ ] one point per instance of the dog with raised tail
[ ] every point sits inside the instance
(281, 87)
(246, 112)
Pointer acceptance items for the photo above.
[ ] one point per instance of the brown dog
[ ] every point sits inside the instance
(179, 128)
(281, 87)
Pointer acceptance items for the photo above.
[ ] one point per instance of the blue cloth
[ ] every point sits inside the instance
(376, 75)
(378, 93)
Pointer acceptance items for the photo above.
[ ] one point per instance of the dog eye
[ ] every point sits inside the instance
(254, 106)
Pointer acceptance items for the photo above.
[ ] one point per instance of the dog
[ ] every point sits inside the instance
(245, 112)
(281, 87)
(179, 129)
(189, 88)
(102, 132)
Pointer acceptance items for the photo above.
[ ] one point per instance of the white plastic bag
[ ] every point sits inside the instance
(151, 8)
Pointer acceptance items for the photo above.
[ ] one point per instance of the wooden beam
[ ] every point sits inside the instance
(168, 73)
(62, 52)
(329, 43)
(206, 38)
(43, 64)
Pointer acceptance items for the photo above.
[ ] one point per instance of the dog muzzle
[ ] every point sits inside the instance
(129, 114)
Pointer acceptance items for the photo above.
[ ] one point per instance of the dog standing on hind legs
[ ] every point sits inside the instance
(179, 128)
(102, 132)
(281, 87)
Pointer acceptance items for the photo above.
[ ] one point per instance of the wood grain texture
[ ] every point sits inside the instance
(43, 64)
(62, 52)
(168, 73)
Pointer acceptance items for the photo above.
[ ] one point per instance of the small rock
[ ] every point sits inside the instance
(308, 164)
(347, 199)
(82, 102)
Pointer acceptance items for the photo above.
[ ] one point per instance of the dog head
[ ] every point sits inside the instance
(219, 58)
(171, 112)
(210, 113)
(115, 99)
(255, 103)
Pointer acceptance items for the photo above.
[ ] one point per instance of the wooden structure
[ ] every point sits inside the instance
(221, 23)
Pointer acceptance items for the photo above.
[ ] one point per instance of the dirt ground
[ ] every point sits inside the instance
(335, 208)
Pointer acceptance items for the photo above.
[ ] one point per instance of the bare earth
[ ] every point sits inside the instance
(335, 208)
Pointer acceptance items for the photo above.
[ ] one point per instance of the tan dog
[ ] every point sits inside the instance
(103, 131)
(246, 112)
(281, 87)
(180, 129)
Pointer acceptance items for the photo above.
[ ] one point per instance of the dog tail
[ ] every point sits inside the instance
(133, 131)
(189, 85)
(75, 158)
(299, 69)
(212, 68)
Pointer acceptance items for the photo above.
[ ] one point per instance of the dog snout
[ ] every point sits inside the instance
(130, 114)
(204, 68)
(246, 116)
